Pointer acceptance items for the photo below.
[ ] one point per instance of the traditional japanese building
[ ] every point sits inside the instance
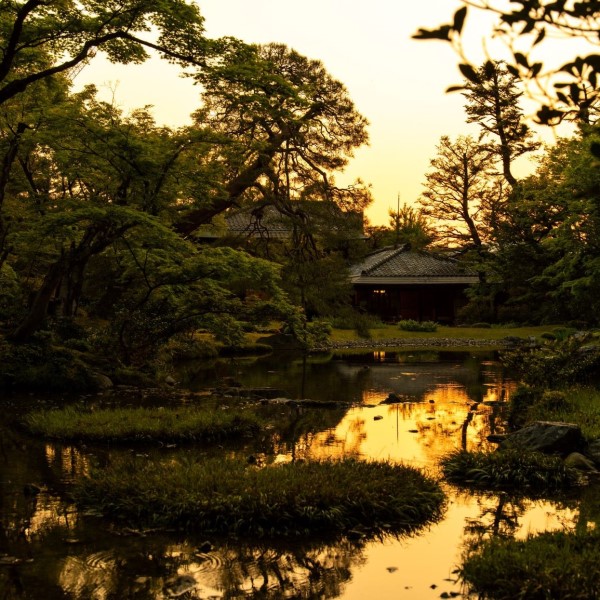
(400, 283)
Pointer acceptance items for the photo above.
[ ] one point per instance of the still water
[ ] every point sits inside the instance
(49, 550)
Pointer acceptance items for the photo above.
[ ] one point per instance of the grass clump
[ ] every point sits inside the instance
(411, 325)
(141, 424)
(547, 566)
(579, 405)
(229, 497)
(511, 469)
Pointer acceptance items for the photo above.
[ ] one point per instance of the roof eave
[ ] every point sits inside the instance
(464, 280)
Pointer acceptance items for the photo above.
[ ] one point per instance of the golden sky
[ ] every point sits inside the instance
(396, 82)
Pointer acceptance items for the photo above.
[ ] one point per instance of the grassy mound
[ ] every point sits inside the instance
(226, 496)
(530, 472)
(141, 424)
(547, 566)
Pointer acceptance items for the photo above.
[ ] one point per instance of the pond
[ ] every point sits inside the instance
(50, 550)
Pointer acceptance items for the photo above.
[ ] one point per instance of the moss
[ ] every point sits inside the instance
(230, 497)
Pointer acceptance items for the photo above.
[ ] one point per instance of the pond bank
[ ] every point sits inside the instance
(418, 343)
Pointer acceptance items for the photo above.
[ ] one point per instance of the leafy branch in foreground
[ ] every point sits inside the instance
(565, 91)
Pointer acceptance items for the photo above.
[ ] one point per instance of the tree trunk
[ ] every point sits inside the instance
(39, 308)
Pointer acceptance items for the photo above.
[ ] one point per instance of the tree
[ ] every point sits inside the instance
(287, 126)
(408, 225)
(461, 193)
(493, 103)
(569, 90)
(42, 38)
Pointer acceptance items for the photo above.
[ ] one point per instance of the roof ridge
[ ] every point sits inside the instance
(381, 261)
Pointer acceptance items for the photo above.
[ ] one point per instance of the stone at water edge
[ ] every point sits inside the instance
(549, 437)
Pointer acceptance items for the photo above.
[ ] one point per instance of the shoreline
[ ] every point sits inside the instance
(417, 343)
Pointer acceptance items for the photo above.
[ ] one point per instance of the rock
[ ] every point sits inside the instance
(392, 399)
(578, 461)
(101, 381)
(169, 380)
(205, 547)
(546, 436)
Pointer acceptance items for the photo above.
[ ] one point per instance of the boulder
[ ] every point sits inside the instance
(549, 437)
(101, 381)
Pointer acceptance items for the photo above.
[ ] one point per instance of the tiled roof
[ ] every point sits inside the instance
(267, 222)
(402, 262)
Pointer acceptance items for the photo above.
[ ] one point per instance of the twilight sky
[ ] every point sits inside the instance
(396, 82)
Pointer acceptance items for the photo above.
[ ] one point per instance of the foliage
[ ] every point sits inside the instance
(549, 565)
(41, 39)
(184, 424)
(411, 325)
(459, 191)
(493, 103)
(43, 367)
(217, 496)
(576, 404)
(556, 364)
(528, 472)
(569, 90)
(407, 226)
(310, 334)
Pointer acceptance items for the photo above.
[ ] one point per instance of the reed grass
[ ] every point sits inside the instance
(230, 497)
(141, 424)
(547, 566)
(512, 469)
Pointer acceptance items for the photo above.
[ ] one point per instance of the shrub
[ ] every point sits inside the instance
(411, 325)
(546, 566)
(512, 469)
(557, 364)
(185, 348)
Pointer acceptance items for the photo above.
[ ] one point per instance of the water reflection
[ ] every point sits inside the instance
(447, 401)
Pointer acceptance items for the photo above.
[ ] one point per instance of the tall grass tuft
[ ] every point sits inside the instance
(530, 472)
(547, 566)
(141, 424)
(227, 496)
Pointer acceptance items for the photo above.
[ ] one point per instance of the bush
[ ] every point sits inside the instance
(411, 325)
(185, 348)
(520, 470)
(40, 366)
(557, 364)
(547, 566)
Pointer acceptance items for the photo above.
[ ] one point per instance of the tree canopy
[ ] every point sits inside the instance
(41, 38)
